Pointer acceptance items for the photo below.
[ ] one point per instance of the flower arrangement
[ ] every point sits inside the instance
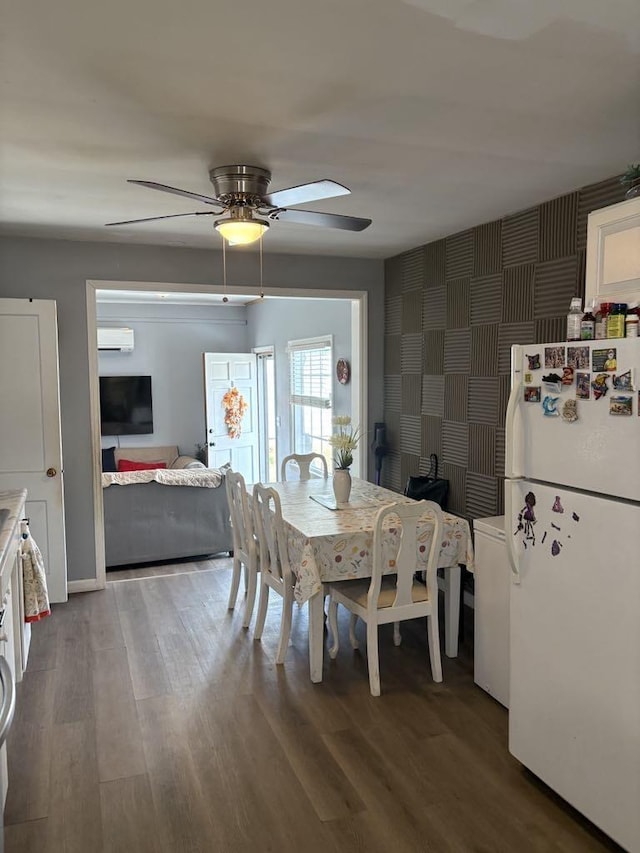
(344, 441)
(235, 407)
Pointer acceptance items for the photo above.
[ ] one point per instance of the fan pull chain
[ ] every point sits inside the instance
(225, 298)
(261, 288)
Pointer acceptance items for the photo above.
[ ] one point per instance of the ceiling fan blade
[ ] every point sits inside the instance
(315, 191)
(326, 220)
(170, 216)
(152, 185)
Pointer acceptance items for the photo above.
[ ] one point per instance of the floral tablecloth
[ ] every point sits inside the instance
(330, 545)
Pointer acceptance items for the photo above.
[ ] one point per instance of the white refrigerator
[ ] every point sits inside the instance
(572, 510)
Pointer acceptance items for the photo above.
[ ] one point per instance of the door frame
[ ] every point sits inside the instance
(359, 380)
(263, 351)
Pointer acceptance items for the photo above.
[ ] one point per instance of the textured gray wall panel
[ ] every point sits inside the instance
(411, 435)
(411, 394)
(551, 329)
(393, 394)
(482, 495)
(431, 436)
(392, 354)
(412, 269)
(517, 303)
(458, 297)
(433, 351)
(457, 351)
(393, 276)
(521, 237)
(391, 477)
(392, 314)
(409, 466)
(514, 333)
(455, 442)
(456, 475)
(411, 359)
(484, 400)
(555, 283)
(412, 312)
(435, 258)
(434, 308)
(487, 248)
(433, 395)
(460, 255)
(484, 350)
(558, 222)
(486, 299)
(456, 387)
(594, 197)
(500, 451)
(482, 448)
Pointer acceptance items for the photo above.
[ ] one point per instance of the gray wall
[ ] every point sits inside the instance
(275, 323)
(169, 342)
(59, 269)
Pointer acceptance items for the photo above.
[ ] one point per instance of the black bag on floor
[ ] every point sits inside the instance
(429, 488)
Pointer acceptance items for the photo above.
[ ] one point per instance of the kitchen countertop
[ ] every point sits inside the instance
(13, 502)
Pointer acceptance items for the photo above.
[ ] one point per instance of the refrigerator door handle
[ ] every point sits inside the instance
(512, 409)
(508, 531)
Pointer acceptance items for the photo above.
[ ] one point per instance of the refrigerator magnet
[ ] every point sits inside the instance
(623, 381)
(555, 356)
(553, 382)
(578, 357)
(528, 378)
(599, 385)
(604, 359)
(567, 375)
(583, 386)
(534, 361)
(621, 404)
(570, 411)
(550, 406)
(532, 394)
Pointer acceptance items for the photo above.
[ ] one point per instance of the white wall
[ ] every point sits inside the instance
(169, 342)
(276, 322)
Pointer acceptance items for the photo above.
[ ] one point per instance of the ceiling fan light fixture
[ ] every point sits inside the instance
(241, 228)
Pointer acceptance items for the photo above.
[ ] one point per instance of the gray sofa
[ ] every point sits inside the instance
(145, 522)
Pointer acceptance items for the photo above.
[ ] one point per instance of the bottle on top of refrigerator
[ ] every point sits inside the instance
(574, 319)
(616, 320)
(588, 324)
(632, 321)
(602, 315)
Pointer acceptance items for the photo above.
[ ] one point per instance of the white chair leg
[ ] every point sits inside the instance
(262, 611)
(247, 579)
(235, 582)
(333, 627)
(285, 627)
(372, 658)
(397, 636)
(434, 647)
(352, 631)
(251, 597)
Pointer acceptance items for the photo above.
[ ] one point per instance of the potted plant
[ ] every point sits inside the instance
(631, 179)
(344, 441)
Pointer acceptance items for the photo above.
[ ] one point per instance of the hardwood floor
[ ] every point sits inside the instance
(149, 720)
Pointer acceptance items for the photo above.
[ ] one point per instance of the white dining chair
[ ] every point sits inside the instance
(245, 546)
(393, 597)
(275, 571)
(304, 462)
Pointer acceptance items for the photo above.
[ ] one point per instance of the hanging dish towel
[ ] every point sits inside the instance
(36, 597)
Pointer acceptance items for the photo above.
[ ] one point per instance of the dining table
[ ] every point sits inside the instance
(330, 542)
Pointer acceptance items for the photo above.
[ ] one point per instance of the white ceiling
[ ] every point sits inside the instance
(438, 114)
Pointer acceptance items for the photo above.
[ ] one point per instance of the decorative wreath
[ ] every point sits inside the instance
(234, 406)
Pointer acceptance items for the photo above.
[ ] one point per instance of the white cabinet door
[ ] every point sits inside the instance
(30, 444)
(613, 253)
(224, 372)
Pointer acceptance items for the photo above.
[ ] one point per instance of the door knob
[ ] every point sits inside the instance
(51, 472)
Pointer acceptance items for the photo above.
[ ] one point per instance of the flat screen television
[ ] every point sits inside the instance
(125, 405)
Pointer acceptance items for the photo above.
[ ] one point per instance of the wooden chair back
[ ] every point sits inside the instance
(241, 516)
(303, 461)
(272, 540)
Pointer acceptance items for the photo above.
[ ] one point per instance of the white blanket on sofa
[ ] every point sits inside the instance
(207, 478)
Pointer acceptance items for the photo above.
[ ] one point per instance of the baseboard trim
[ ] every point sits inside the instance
(85, 585)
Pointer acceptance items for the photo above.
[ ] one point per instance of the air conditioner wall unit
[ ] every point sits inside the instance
(115, 339)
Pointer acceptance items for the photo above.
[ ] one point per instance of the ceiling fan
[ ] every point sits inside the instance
(241, 194)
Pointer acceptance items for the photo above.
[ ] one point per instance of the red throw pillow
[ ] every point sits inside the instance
(130, 465)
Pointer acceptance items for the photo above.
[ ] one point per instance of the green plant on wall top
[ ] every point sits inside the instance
(631, 180)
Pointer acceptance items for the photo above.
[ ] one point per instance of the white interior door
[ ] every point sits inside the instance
(223, 372)
(30, 436)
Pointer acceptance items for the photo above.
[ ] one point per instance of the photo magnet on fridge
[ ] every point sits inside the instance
(623, 381)
(578, 357)
(532, 394)
(583, 386)
(555, 356)
(604, 359)
(621, 404)
(599, 385)
(567, 375)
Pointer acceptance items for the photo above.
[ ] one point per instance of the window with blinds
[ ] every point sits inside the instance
(310, 395)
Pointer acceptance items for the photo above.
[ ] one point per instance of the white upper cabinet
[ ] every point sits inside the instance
(613, 253)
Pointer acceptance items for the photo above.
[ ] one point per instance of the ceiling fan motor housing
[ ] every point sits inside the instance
(240, 185)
